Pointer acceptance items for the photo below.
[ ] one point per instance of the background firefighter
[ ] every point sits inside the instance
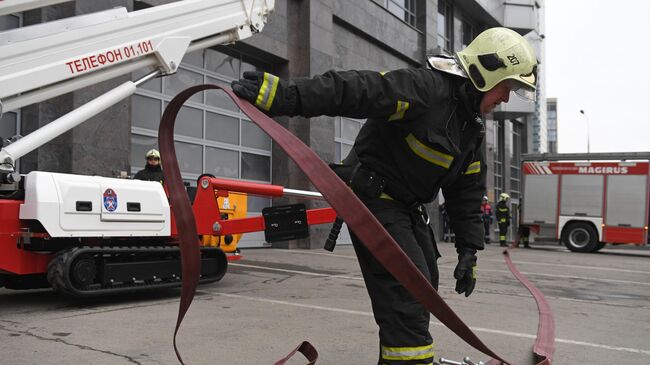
(486, 215)
(152, 170)
(424, 133)
(503, 217)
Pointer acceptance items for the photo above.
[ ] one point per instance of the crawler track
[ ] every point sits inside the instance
(95, 271)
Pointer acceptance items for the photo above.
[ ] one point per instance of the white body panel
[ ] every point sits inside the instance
(75, 206)
(540, 199)
(626, 201)
(582, 195)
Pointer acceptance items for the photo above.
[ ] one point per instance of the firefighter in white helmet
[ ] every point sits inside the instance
(152, 170)
(503, 217)
(486, 215)
(424, 133)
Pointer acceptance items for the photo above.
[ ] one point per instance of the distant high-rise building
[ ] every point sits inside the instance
(551, 123)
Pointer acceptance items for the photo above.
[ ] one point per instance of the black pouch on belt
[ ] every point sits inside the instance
(365, 183)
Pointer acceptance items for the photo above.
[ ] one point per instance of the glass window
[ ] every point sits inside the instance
(190, 157)
(194, 59)
(154, 84)
(468, 34)
(139, 147)
(349, 128)
(181, 80)
(345, 150)
(222, 128)
(145, 112)
(8, 126)
(210, 122)
(189, 122)
(222, 64)
(458, 32)
(403, 9)
(218, 98)
(255, 167)
(337, 127)
(221, 162)
(257, 203)
(463, 32)
(444, 25)
(253, 136)
(9, 22)
(345, 132)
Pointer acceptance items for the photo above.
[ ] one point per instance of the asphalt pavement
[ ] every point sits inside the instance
(273, 299)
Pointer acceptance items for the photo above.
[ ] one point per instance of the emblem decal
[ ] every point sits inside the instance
(110, 200)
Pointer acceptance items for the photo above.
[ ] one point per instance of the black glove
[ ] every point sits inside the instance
(465, 272)
(268, 93)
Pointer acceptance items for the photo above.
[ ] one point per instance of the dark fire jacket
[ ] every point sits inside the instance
(422, 132)
(503, 213)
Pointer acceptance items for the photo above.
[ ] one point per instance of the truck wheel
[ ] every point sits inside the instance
(580, 237)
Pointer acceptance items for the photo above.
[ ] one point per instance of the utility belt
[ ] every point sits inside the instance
(368, 184)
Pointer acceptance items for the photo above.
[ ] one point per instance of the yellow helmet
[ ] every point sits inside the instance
(152, 153)
(499, 54)
(504, 196)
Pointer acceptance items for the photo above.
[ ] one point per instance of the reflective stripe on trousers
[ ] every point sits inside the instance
(408, 355)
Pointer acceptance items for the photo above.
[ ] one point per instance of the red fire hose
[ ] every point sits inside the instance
(348, 207)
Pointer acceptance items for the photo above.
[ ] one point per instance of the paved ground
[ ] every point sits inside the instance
(273, 299)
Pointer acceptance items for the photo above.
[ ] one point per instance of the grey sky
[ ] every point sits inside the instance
(598, 59)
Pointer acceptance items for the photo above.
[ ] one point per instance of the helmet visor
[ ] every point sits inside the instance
(524, 92)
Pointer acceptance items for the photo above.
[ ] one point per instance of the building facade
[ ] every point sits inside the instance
(551, 115)
(301, 39)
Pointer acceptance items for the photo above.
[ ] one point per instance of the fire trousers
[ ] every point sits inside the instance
(487, 222)
(404, 337)
(503, 232)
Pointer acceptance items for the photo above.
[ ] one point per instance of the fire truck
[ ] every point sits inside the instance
(587, 200)
(92, 235)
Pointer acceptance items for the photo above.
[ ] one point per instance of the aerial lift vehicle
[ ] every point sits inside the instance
(91, 235)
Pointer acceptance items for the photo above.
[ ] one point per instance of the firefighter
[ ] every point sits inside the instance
(423, 133)
(486, 215)
(153, 169)
(503, 217)
(525, 236)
